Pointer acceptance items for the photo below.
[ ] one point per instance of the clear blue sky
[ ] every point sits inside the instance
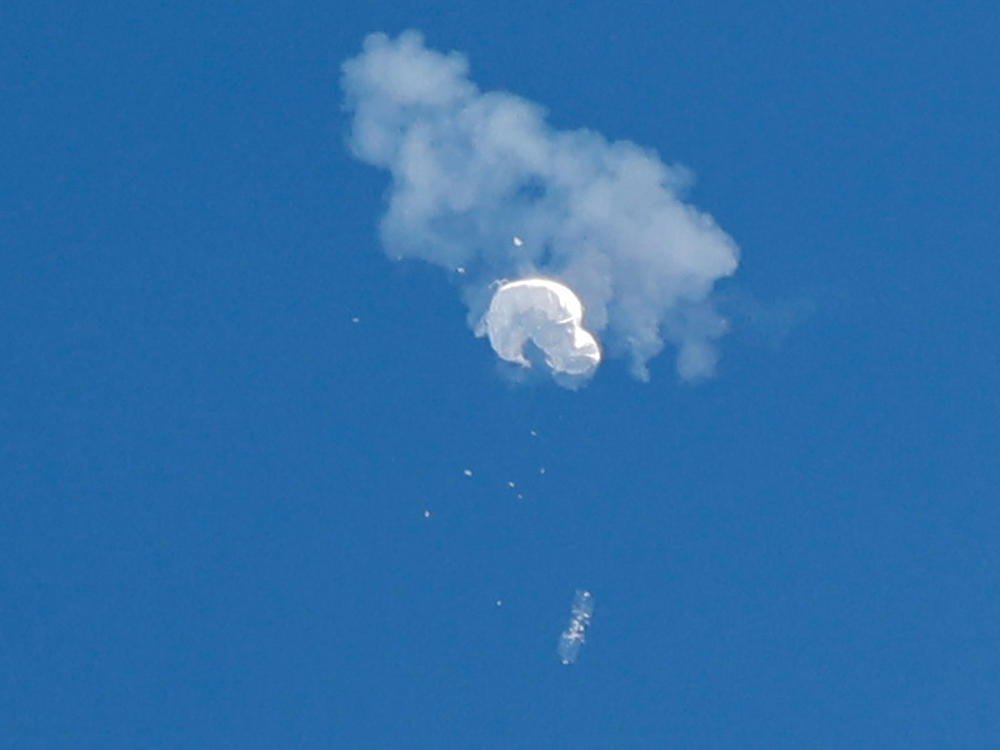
(212, 528)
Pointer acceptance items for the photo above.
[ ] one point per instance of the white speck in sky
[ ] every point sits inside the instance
(468, 472)
(499, 602)
(355, 320)
(510, 484)
(518, 242)
(541, 470)
(427, 514)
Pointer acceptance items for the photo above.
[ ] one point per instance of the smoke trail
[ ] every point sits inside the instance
(470, 169)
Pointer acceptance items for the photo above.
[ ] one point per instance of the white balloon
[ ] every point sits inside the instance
(547, 313)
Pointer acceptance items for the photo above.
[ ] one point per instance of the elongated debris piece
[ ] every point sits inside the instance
(575, 634)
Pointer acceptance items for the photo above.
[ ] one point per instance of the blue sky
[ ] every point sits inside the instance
(212, 528)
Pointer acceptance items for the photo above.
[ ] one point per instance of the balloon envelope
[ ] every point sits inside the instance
(547, 313)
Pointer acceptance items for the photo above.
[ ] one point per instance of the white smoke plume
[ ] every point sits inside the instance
(471, 168)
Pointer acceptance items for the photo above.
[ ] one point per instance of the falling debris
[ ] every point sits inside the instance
(575, 634)
(518, 242)
(534, 434)
(427, 514)
(499, 602)
(355, 320)
(520, 496)
(550, 316)
(468, 472)
(541, 470)
(460, 269)
(511, 485)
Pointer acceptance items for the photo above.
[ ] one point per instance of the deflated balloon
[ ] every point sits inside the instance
(548, 314)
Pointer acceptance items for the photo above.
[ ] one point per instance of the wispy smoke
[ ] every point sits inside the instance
(470, 169)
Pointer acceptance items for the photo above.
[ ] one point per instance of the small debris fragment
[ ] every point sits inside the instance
(518, 242)
(427, 514)
(541, 470)
(510, 484)
(468, 472)
(355, 320)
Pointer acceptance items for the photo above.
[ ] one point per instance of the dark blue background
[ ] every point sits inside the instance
(212, 527)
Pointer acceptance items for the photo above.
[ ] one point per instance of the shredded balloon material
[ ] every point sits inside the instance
(548, 314)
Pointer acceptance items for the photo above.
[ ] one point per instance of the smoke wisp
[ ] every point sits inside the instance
(470, 169)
